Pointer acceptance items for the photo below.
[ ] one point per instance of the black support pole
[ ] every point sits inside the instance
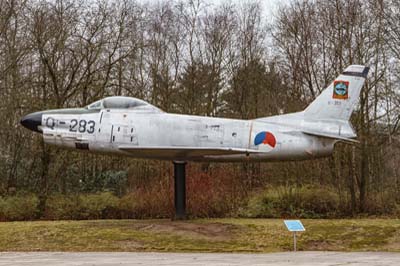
(180, 190)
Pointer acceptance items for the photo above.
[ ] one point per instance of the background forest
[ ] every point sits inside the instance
(227, 59)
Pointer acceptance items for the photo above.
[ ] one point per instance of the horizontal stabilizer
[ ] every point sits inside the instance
(182, 152)
(330, 136)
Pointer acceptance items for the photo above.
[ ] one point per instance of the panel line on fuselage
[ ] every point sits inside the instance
(251, 129)
(101, 117)
(112, 132)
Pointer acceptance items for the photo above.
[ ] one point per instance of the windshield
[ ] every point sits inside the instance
(95, 105)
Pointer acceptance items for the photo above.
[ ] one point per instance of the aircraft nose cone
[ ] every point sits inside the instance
(32, 121)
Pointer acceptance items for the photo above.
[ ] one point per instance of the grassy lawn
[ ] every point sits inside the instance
(205, 235)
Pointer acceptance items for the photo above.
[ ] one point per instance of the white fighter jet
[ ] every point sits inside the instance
(133, 127)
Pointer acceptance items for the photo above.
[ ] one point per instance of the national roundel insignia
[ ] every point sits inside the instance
(266, 138)
(340, 89)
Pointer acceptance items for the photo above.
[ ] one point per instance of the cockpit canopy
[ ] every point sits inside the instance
(122, 102)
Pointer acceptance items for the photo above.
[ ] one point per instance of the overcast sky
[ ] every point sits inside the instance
(269, 6)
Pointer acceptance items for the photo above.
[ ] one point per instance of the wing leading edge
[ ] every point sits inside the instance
(183, 152)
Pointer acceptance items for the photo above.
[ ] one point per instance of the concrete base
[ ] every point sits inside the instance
(176, 259)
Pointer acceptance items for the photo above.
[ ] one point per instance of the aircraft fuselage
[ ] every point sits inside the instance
(112, 130)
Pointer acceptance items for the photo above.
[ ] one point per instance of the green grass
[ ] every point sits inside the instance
(205, 235)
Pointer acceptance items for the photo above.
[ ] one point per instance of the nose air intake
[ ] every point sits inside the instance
(32, 121)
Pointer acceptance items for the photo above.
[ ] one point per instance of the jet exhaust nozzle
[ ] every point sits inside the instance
(32, 121)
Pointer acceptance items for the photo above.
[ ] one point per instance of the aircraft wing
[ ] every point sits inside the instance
(183, 152)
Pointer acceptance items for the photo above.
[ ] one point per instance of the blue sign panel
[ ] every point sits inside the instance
(294, 225)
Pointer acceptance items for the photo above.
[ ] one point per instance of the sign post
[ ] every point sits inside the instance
(294, 226)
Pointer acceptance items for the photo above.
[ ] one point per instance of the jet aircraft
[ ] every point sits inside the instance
(133, 127)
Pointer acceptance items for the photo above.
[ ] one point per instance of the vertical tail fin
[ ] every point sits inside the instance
(338, 100)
